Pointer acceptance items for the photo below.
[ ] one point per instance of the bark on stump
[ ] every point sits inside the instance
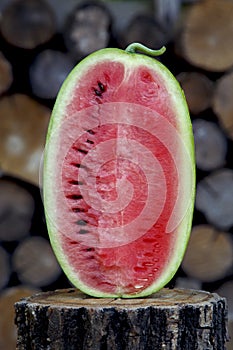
(170, 319)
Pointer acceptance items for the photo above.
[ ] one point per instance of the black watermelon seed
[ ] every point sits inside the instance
(82, 151)
(97, 92)
(82, 231)
(79, 149)
(74, 196)
(82, 222)
(78, 210)
(90, 249)
(91, 132)
(77, 165)
(101, 86)
(75, 182)
(91, 142)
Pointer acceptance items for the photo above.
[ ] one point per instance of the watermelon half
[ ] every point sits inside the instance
(119, 174)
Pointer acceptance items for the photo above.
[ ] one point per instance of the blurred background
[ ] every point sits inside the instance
(40, 42)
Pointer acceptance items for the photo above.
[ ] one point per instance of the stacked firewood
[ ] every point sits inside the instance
(40, 42)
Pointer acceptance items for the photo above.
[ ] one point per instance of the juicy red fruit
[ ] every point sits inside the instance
(133, 267)
(120, 197)
(109, 81)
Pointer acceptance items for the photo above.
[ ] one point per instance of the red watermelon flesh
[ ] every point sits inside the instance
(120, 159)
(113, 82)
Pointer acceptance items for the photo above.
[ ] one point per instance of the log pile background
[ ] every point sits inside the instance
(199, 40)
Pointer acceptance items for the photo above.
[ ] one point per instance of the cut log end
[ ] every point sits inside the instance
(214, 198)
(5, 270)
(207, 43)
(210, 145)
(223, 102)
(35, 263)
(22, 149)
(170, 319)
(198, 90)
(5, 73)
(206, 241)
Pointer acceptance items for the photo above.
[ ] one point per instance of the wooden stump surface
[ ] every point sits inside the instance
(170, 319)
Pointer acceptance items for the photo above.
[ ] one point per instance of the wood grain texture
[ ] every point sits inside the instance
(170, 319)
(207, 35)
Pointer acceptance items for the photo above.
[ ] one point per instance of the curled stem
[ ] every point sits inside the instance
(137, 47)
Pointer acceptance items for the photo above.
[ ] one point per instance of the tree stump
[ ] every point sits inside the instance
(170, 319)
(7, 328)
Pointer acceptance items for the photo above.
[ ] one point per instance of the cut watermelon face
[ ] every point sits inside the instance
(119, 175)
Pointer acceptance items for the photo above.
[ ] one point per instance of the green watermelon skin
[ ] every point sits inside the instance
(118, 96)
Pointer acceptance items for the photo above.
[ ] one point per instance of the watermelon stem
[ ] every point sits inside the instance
(132, 48)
